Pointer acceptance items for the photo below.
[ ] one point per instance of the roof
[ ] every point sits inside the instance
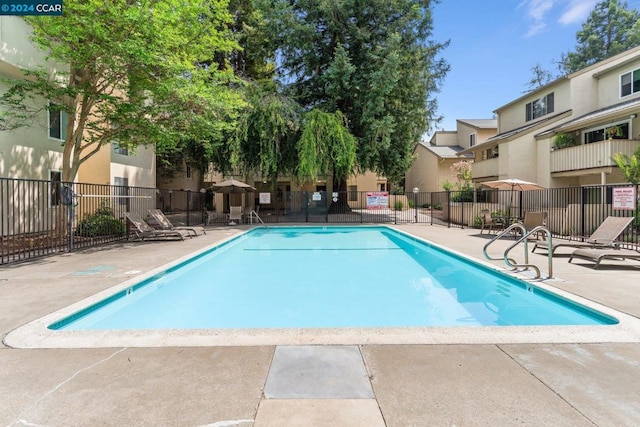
(445, 151)
(513, 132)
(612, 63)
(594, 115)
(481, 123)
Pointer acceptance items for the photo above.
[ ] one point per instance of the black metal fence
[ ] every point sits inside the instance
(38, 218)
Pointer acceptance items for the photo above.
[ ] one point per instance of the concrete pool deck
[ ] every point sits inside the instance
(543, 383)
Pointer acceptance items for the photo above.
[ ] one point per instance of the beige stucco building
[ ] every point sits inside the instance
(35, 151)
(594, 111)
(433, 160)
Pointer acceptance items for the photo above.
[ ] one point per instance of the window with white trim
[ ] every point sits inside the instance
(630, 83)
(619, 130)
(472, 140)
(58, 120)
(539, 107)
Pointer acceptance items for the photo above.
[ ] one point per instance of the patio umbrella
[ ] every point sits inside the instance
(232, 186)
(513, 184)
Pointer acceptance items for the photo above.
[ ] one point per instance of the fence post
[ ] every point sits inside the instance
(188, 207)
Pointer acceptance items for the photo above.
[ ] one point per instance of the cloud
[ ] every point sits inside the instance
(536, 11)
(576, 11)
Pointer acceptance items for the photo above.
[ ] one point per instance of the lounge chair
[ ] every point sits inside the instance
(144, 231)
(534, 219)
(604, 236)
(235, 214)
(164, 223)
(598, 255)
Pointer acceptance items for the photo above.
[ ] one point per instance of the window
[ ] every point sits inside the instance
(189, 172)
(491, 153)
(58, 120)
(630, 83)
(120, 149)
(472, 140)
(539, 107)
(55, 184)
(614, 131)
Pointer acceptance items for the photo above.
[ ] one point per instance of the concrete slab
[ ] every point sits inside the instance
(118, 387)
(461, 385)
(602, 381)
(317, 372)
(325, 412)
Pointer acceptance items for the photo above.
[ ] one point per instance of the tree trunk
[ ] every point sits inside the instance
(341, 206)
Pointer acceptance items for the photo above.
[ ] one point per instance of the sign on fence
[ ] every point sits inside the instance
(377, 200)
(624, 198)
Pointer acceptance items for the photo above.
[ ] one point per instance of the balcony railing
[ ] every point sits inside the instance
(485, 168)
(588, 156)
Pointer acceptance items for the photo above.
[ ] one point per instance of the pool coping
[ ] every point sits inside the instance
(36, 334)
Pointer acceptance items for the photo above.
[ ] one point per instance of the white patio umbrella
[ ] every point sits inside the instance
(513, 184)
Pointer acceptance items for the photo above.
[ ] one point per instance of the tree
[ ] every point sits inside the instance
(629, 165)
(135, 75)
(267, 133)
(326, 147)
(539, 78)
(611, 28)
(373, 62)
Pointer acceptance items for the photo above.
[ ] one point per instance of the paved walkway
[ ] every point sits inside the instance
(310, 385)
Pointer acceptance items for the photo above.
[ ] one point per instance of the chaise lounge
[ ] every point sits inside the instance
(598, 255)
(144, 231)
(163, 222)
(604, 236)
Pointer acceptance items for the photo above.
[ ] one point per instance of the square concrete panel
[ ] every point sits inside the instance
(325, 412)
(126, 387)
(461, 385)
(602, 381)
(318, 372)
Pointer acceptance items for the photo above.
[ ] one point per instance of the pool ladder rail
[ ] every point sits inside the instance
(511, 263)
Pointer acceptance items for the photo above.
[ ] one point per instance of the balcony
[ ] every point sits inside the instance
(590, 156)
(485, 168)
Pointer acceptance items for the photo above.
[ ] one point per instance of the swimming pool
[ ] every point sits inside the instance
(328, 277)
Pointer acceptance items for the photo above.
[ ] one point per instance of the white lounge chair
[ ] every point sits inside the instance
(144, 231)
(164, 223)
(235, 214)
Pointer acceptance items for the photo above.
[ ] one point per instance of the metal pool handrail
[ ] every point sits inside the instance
(547, 235)
(511, 263)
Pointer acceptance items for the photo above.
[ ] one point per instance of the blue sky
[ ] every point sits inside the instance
(493, 46)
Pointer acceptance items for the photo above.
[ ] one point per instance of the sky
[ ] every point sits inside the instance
(494, 44)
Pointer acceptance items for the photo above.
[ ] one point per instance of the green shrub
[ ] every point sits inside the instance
(398, 205)
(477, 222)
(563, 140)
(100, 223)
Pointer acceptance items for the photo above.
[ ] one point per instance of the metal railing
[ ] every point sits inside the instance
(37, 220)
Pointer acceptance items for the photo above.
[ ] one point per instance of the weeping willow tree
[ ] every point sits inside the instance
(327, 148)
(265, 139)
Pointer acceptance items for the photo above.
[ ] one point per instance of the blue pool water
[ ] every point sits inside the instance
(325, 277)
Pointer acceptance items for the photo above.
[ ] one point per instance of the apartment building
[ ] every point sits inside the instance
(35, 152)
(432, 165)
(565, 133)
